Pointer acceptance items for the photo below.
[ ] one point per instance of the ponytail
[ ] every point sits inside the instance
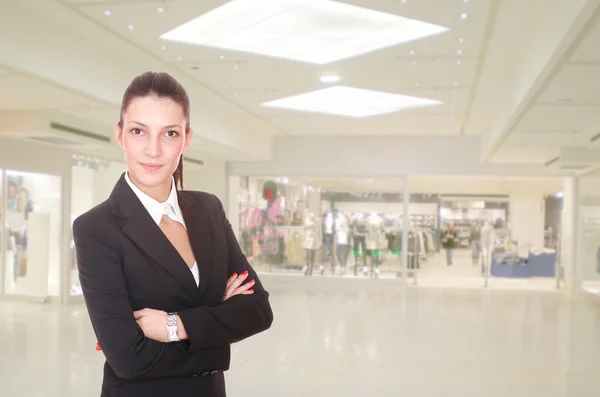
(178, 174)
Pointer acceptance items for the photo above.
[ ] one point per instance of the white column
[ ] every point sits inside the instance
(405, 227)
(568, 235)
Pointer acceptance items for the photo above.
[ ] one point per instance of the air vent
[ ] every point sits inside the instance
(79, 132)
(55, 140)
(574, 167)
(193, 161)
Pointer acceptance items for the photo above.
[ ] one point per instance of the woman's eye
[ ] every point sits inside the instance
(136, 131)
(172, 133)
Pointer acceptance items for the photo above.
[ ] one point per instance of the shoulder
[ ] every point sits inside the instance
(208, 200)
(93, 219)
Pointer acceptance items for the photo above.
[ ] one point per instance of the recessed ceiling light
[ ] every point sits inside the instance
(464, 16)
(411, 52)
(329, 78)
(180, 58)
(416, 84)
(414, 63)
(459, 52)
(456, 83)
(130, 27)
(236, 66)
(459, 62)
(351, 102)
(222, 57)
(461, 40)
(163, 47)
(465, 1)
(161, 9)
(318, 32)
(107, 13)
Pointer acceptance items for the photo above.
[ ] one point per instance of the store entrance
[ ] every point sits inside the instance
(429, 231)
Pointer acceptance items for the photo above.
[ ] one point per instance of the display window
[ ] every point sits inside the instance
(588, 247)
(32, 234)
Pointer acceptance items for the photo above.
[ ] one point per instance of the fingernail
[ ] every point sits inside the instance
(233, 275)
(98, 348)
(252, 281)
(251, 291)
(245, 273)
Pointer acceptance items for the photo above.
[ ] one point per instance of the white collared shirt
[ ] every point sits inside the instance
(157, 210)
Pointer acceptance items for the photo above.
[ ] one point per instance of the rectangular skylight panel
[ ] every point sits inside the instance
(351, 102)
(314, 31)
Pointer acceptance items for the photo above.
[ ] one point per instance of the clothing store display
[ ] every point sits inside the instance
(312, 233)
(294, 251)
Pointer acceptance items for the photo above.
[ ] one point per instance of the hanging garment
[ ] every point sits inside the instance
(294, 251)
(312, 235)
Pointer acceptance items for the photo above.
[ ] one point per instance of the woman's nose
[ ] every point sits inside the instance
(153, 148)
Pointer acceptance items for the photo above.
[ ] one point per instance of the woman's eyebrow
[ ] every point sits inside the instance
(144, 125)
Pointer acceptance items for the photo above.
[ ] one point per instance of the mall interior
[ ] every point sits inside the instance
(416, 183)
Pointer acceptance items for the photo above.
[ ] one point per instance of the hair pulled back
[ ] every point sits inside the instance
(161, 85)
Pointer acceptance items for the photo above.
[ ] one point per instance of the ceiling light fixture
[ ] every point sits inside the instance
(161, 10)
(318, 32)
(464, 16)
(107, 13)
(411, 52)
(350, 102)
(414, 63)
(180, 58)
(461, 40)
(222, 57)
(459, 52)
(403, 1)
(456, 83)
(329, 78)
(163, 47)
(459, 62)
(131, 27)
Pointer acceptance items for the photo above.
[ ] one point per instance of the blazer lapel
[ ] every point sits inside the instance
(198, 223)
(139, 226)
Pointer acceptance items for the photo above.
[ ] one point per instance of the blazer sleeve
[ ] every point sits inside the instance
(129, 353)
(237, 318)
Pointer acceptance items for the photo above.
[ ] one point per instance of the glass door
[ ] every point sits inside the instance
(32, 234)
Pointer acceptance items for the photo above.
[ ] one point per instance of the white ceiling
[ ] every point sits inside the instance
(560, 110)
(250, 80)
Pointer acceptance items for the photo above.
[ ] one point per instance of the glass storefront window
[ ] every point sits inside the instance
(588, 246)
(316, 226)
(32, 223)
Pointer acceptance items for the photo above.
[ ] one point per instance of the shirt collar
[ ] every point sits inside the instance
(154, 208)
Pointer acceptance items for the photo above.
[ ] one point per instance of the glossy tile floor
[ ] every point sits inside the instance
(347, 337)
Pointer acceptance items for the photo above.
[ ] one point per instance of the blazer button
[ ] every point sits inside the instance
(214, 372)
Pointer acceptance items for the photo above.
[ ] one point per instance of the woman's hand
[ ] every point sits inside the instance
(153, 323)
(235, 287)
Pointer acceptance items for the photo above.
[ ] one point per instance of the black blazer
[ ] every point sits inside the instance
(126, 263)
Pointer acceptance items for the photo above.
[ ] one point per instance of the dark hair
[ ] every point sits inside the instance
(161, 85)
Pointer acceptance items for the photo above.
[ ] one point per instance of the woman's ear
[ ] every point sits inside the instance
(188, 138)
(119, 134)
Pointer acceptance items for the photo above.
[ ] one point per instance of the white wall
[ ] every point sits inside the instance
(526, 220)
(211, 178)
(391, 156)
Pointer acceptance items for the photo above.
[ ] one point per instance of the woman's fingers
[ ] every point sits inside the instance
(235, 283)
(241, 290)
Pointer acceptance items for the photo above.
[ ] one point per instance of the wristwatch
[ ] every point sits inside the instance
(172, 327)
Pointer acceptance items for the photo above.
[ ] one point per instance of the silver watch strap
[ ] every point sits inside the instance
(172, 327)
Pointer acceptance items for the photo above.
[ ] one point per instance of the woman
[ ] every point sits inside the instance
(449, 242)
(166, 285)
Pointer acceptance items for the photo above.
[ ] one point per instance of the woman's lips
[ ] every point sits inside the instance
(151, 167)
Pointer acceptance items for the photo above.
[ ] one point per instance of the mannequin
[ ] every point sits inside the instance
(374, 232)
(342, 234)
(359, 229)
(312, 240)
(328, 231)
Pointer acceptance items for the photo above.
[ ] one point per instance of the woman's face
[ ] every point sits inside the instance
(153, 139)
